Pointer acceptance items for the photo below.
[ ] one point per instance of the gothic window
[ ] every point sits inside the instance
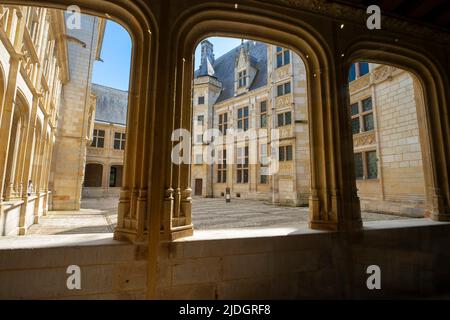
(119, 141)
(263, 113)
(242, 165)
(201, 100)
(222, 167)
(362, 116)
(98, 140)
(283, 89)
(284, 119)
(283, 57)
(366, 165)
(242, 119)
(285, 153)
(223, 123)
(242, 79)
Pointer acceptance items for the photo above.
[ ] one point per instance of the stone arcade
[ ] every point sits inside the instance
(328, 261)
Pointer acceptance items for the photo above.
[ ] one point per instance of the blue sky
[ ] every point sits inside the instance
(114, 71)
(116, 53)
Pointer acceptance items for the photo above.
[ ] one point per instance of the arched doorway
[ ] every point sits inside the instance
(93, 176)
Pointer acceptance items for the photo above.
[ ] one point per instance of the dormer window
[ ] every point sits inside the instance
(283, 57)
(242, 79)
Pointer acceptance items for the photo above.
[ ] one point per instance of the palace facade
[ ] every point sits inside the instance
(263, 87)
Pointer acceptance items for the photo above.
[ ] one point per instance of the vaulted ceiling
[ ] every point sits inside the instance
(432, 12)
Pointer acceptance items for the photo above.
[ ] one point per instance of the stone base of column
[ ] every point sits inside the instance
(177, 233)
(324, 225)
(127, 235)
(22, 231)
(442, 217)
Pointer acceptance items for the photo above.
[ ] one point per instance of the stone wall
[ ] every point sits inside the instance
(400, 187)
(70, 149)
(109, 270)
(305, 264)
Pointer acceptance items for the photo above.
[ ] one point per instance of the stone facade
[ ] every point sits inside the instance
(397, 182)
(254, 106)
(387, 145)
(41, 91)
(76, 114)
(105, 154)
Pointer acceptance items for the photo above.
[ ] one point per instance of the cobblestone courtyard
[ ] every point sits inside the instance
(100, 216)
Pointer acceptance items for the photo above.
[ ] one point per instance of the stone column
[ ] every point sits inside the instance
(334, 204)
(7, 116)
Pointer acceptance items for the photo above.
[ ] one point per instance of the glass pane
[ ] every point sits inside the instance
(288, 153)
(363, 68)
(224, 176)
(101, 142)
(358, 166)
(123, 145)
(280, 90)
(355, 126)
(245, 112)
(368, 122)
(225, 117)
(367, 104)
(352, 73)
(239, 113)
(117, 135)
(219, 175)
(246, 124)
(355, 109)
(372, 169)
(117, 144)
(279, 60)
(280, 120)
(101, 133)
(239, 176)
(245, 176)
(279, 49)
(287, 88)
(263, 121)
(287, 118)
(281, 154)
(286, 57)
(239, 124)
(263, 107)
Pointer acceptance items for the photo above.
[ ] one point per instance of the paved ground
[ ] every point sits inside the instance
(95, 216)
(100, 216)
(217, 214)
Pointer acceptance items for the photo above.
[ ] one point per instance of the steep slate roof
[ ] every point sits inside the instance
(112, 104)
(224, 68)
